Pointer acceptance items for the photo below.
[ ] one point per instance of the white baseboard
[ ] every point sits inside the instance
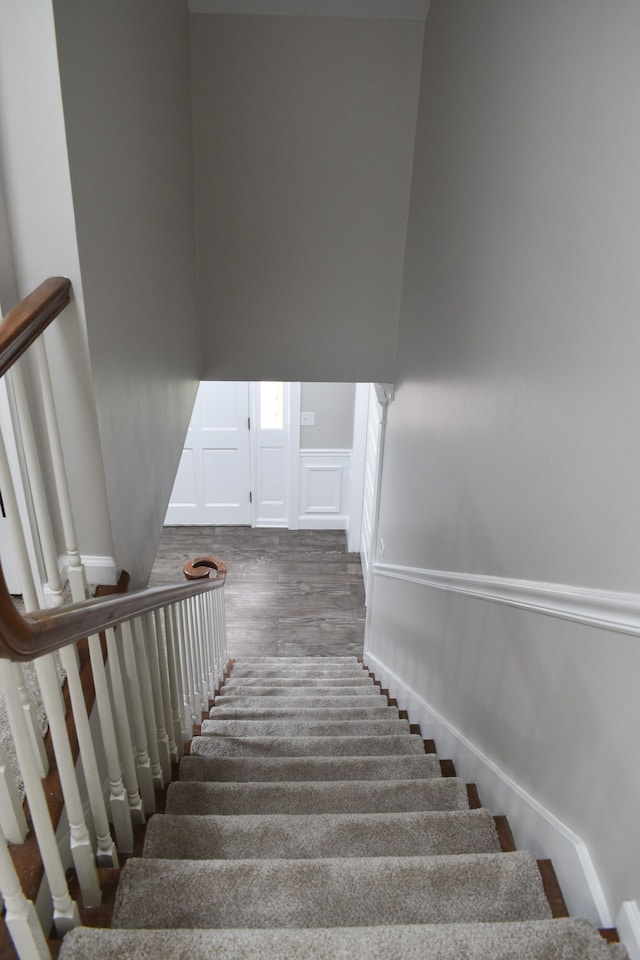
(99, 570)
(628, 924)
(534, 827)
(331, 522)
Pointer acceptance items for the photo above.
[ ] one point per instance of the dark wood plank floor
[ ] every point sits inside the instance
(288, 592)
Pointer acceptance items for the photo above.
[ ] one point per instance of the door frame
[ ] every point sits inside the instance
(292, 471)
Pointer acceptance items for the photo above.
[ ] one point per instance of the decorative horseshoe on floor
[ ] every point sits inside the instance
(200, 568)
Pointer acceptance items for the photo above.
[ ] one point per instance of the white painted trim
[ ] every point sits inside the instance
(271, 523)
(332, 522)
(358, 458)
(606, 609)
(534, 827)
(99, 570)
(628, 924)
(295, 390)
(369, 9)
(328, 453)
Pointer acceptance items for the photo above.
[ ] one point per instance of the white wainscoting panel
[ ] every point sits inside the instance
(535, 827)
(324, 489)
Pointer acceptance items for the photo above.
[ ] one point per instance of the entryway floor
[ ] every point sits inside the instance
(288, 592)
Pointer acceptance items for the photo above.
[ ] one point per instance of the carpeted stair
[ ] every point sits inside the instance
(308, 823)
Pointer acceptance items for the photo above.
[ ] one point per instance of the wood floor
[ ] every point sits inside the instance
(288, 592)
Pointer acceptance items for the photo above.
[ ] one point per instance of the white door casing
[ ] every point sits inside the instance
(272, 422)
(212, 485)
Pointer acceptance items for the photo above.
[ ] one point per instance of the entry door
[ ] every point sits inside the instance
(213, 483)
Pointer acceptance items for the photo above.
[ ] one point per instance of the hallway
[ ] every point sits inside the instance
(288, 592)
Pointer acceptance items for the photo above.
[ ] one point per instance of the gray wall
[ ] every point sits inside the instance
(512, 447)
(127, 99)
(303, 143)
(39, 240)
(332, 404)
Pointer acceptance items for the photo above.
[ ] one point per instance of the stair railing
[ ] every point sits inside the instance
(153, 659)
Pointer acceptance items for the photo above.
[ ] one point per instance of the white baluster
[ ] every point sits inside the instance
(181, 659)
(205, 638)
(40, 506)
(106, 855)
(194, 700)
(149, 628)
(207, 601)
(136, 809)
(143, 761)
(30, 600)
(80, 841)
(20, 916)
(65, 910)
(147, 704)
(118, 802)
(77, 577)
(175, 679)
(12, 820)
(31, 716)
(164, 684)
(194, 644)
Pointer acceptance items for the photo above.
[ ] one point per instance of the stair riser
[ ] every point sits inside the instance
(302, 713)
(321, 690)
(354, 796)
(274, 769)
(304, 728)
(262, 681)
(288, 702)
(307, 746)
(310, 837)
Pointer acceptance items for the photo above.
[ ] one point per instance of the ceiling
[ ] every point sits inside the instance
(370, 9)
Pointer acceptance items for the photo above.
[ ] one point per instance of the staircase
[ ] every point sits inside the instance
(308, 822)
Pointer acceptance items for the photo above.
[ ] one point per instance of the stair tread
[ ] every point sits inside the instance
(348, 796)
(377, 712)
(300, 671)
(296, 690)
(291, 701)
(565, 939)
(304, 728)
(330, 892)
(280, 836)
(243, 769)
(307, 746)
(268, 681)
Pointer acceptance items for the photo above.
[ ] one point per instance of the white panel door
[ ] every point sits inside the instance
(213, 482)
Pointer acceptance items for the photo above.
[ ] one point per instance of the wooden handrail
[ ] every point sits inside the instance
(27, 637)
(24, 324)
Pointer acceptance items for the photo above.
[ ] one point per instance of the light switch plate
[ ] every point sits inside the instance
(307, 419)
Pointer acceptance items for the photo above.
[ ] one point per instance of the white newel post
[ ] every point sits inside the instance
(20, 916)
(65, 910)
(77, 577)
(129, 777)
(164, 684)
(40, 505)
(118, 802)
(80, 841)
